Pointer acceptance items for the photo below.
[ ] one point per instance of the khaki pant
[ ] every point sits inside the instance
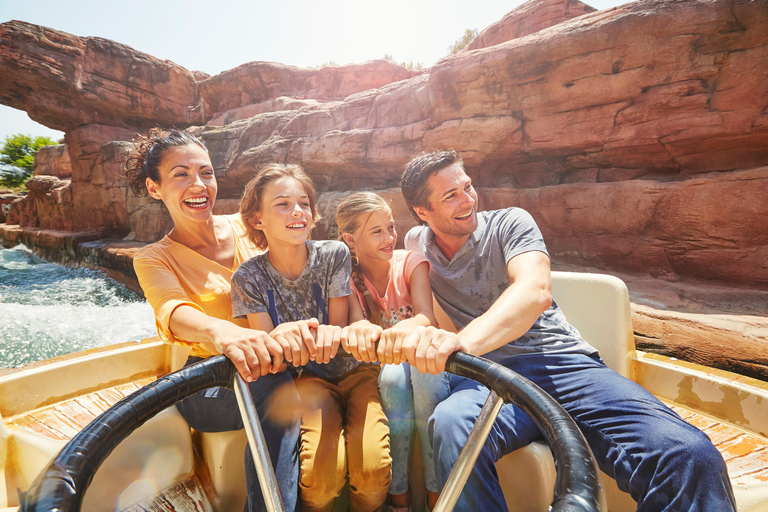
(343, 431)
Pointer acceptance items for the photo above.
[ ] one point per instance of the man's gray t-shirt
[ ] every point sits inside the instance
(468, 284)
(257, 287)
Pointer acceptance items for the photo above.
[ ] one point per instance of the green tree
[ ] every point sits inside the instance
(17, 157)
(462, 42)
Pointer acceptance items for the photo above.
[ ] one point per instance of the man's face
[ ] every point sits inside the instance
(452, 211)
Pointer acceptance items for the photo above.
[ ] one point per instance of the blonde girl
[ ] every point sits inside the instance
(392, 297)
(297, 290)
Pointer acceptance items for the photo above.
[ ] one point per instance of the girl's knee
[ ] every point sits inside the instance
(319, 488)
(371, 480)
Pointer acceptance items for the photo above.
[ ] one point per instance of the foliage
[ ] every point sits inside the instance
(407, 65)
(17, 157)
(463, 41)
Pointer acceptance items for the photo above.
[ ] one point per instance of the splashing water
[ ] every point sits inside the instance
(47, 310)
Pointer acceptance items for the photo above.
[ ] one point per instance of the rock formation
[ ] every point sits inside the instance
(637, 137)
(527, 19)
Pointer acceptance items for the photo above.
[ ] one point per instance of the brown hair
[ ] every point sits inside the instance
(251, 204)
(352, 215)
(414, 182)
(148, 152)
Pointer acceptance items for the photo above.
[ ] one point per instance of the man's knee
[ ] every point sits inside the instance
(697, 453)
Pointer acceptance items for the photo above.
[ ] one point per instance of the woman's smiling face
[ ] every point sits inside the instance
(187, 184)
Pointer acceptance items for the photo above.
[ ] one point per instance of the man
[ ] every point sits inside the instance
(490, 273)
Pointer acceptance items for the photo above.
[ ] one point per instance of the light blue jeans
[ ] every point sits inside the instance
(409, 397)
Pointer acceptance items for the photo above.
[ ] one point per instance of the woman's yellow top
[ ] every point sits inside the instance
(173, 275)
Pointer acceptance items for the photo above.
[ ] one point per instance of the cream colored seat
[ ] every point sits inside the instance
(598, 306)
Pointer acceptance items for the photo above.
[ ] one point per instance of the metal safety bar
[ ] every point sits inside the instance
(466, 461)
(258, 446)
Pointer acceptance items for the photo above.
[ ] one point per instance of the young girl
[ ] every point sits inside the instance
(298, 292)
(393, 293)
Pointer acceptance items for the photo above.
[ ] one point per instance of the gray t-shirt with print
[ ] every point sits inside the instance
(468, 284)
(257, 287)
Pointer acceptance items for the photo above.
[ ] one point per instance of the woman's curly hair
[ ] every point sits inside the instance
(148, 153)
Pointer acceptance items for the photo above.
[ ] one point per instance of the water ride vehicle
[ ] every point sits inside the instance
(164, 466)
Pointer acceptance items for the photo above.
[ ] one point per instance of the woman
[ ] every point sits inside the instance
(186, 278)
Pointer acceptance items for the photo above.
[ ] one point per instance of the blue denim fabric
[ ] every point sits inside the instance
(215, 410)
(409, 397)
(663, 462)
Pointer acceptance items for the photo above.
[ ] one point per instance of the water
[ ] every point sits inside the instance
(47, 310)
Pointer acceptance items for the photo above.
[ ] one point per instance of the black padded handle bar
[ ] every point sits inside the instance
(62, 484)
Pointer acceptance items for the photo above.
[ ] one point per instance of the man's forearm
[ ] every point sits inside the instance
(513, 313)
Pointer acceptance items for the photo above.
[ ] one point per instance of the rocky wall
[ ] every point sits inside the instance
(650, 175)
(64, 81)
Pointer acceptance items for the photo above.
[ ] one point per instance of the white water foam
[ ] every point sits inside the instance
(48, 310)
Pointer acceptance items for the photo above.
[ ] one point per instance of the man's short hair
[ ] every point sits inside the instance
(414, 182)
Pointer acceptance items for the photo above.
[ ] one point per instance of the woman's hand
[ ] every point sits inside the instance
(297, 340)
(359, 339)
(428, 348)
(327, 342)
(254, 353)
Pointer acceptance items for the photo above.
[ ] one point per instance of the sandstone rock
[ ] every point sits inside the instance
(12, 214)
(527, 19)
(525, 113)
(48, 204)
(651, 86)
(248, 111)
(64, 81)
(705, 228)
(148, 220)
(257, 82)
(53, 161)
(99, 187)
(39, 186)
(6, 199)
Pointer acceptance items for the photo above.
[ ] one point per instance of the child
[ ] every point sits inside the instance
(393, 292)
(297, 291)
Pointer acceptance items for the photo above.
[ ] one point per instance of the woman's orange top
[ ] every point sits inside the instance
(172, 275)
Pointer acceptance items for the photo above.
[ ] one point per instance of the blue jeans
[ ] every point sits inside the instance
(409, 397)
(663, 462)
(215, 410)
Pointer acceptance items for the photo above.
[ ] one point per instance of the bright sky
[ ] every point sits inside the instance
(216, 35)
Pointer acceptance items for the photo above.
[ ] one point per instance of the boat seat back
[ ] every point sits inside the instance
(598, 306)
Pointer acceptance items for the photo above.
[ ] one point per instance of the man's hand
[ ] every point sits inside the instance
(359, 339)
(428, 348)
(297, 340)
